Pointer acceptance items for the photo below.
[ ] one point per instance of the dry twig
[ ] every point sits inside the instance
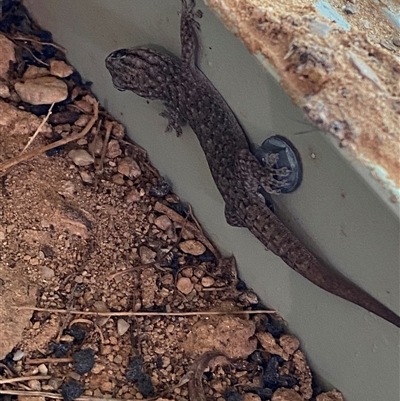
(38, 129)
(38, 42)
(47, 360)
(60, 397)
(23, 379)
(198, 313)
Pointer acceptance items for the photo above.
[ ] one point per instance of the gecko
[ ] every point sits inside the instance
(190, 98)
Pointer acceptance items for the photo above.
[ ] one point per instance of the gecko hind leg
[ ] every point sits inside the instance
(253, 174)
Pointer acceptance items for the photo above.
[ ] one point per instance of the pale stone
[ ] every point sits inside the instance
(289, 343)
(60, 68)
(147, 255)
(132, 196)
(192, 247)
(113, 149)
(47, 272)
(122, 326)
(163, 222)
(80, 157)
(286, 394)
(4, 90)
(35, 72)
(184, 285)
(207, 281)
(129, 168)
(7, 52)
(118, 130)
(42, 90)
(86, 177)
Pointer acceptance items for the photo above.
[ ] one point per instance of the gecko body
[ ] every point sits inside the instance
(189, 97)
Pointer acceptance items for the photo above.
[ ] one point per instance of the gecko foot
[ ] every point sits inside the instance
(174, 123)
(280, 154)
(255, 175)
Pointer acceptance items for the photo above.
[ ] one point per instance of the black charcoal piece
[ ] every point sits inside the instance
(71, 390)
(135, 369)
(60, 349)
(264, 393)
(275, 327)
(77, 332)
(83, 360)
(232, 396)
(145, 386)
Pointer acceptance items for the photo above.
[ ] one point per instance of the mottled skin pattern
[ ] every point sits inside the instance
(189, 97)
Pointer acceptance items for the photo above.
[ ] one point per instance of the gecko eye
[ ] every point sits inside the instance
(119, 54)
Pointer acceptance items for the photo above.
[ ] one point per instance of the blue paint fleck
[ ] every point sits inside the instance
(329, 12)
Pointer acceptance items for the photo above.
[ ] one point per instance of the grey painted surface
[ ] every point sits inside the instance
(335, 210)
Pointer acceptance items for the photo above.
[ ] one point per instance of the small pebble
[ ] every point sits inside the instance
(147, 255)
(122, 326)
(4, 90)
(47, 272)
(60, 68)
(207, 281)
(18, 355)
(113, 149)
(33, 72)
(129, 168)
(118, 179)
(286, 394)
(192, 247)
(118, 130)
(86, 177)
(248, 298)
(80, 157)
(34, 385)
(55, 383)
(163, 222)
(184, 285)
(7, 51)
(43, 369)
(132, 196)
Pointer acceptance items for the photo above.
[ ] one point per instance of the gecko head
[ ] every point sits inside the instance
(117, 66)
(141, 70)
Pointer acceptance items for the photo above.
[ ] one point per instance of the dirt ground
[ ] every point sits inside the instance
(109, 288)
